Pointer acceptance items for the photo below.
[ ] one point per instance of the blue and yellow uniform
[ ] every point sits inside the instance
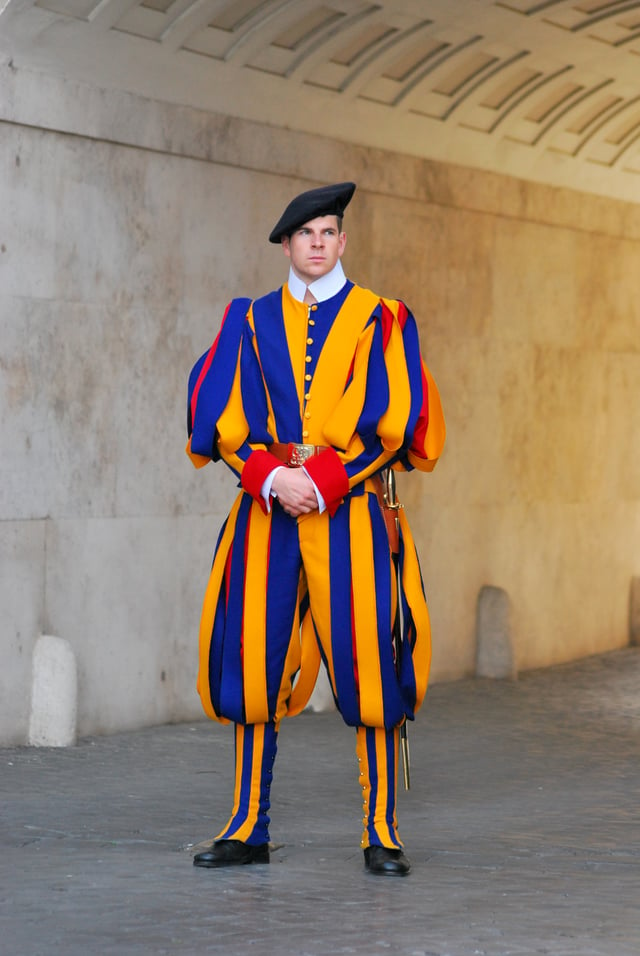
(284, 593)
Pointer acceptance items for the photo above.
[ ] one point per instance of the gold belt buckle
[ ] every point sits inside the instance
(299, 453)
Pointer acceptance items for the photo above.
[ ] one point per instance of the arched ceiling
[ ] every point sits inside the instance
(546, 90)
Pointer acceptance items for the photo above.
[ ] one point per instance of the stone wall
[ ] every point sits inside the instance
(128, 224)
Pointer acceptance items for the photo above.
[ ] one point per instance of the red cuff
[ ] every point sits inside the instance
(258, 465)
(329, 474)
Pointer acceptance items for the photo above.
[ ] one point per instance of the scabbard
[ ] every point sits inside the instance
(390, 505)
(406, 757)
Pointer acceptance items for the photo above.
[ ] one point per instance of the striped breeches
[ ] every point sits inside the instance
(256, 744)
(284, 592)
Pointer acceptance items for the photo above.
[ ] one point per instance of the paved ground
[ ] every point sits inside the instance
(523, 825)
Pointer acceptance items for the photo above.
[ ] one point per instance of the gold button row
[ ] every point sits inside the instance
(308, 376)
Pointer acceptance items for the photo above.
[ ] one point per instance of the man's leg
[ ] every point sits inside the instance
(377, 751)
(245, 837)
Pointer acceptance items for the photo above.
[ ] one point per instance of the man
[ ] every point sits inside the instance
(307, 394)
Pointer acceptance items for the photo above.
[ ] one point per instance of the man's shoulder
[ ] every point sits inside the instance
(376, 295)
(269, 298)
(375, 302)
(238, 303)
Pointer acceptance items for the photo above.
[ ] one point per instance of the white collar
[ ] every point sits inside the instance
(323, 288)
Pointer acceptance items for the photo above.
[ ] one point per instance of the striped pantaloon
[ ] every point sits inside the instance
(256, 745)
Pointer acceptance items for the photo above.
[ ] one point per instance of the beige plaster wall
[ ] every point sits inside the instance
(126, 227)
(532, 329)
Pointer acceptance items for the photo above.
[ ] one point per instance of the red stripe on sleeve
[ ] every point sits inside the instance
(387, 324)
(420, 431)
(205, 368)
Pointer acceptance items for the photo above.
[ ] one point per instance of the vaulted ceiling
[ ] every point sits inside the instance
(546, 90)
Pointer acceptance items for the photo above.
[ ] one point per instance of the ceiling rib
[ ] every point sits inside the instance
(510, 80)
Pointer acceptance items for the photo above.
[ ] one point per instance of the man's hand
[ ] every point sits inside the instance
(295, 492)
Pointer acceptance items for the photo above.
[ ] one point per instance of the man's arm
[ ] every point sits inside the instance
(390, 413)
(295, 491)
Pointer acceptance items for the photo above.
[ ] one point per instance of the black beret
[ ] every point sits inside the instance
(325, 201)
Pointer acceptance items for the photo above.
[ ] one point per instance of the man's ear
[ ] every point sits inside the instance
(286, 247)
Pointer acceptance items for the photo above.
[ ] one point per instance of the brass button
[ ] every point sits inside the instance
(308, 395)
(307, 414)
(307, 358)
(309, 341)
(312, 321)
(305, 434)
(307, 377)
(313, 308)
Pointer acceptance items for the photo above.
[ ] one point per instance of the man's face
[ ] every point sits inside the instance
(314, 248)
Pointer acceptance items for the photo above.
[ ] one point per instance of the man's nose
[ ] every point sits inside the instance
(317, 240)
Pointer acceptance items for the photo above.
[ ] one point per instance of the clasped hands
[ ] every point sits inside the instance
(295, 491)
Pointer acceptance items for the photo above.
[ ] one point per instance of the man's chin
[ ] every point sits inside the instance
(317, 269)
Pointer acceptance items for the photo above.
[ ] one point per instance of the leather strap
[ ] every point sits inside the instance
(390, 515)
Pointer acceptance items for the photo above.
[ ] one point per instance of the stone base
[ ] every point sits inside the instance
(634, 612)
(494, 648)
(54, 694)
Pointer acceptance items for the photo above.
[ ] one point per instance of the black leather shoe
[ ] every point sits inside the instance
(385, 861)
(232, 853)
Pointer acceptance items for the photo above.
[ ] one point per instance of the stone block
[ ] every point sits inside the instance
(322, 700)
(494, 648)
(634, 612)
(127, 594)
(54, 694)
(22, 583)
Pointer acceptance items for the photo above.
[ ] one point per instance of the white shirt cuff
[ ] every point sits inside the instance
(265, 491)
(322, 506)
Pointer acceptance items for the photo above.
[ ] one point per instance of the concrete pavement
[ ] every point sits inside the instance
(523, 826)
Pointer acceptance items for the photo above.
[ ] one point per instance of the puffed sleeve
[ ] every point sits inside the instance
(227, 408)
(390, 412)
(210, 385)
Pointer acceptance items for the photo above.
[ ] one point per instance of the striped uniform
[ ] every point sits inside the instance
(284, 593)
